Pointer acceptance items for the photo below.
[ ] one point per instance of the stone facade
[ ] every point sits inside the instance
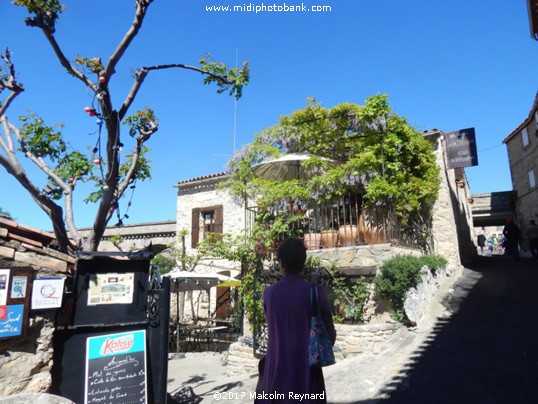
(453, 231)
(522, 149)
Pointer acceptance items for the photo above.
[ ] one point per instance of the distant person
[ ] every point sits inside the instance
(491, 244)
(512, 236)
(287, 305)
(481, 239)
(532, 235)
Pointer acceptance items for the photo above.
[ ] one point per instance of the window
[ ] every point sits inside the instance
(205, 221)
(532, 179)
(525, 137)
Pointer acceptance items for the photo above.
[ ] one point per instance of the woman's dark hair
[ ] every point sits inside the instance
(292, 255)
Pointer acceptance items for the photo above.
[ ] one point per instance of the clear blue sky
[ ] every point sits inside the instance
(446, 65)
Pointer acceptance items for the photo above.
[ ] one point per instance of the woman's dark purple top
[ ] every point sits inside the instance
(288, 311)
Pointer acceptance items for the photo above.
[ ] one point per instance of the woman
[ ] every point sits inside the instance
(288, 310)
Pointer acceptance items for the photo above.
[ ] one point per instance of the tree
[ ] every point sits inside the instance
(45, 146)
(379, 156)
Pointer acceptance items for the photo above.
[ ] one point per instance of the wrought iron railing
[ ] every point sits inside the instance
(340, 223)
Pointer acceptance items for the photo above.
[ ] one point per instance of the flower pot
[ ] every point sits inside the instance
(312, 241)
(329, 238)
(347, 234)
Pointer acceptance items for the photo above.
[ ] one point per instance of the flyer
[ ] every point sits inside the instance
(18, 287)
(4, 282)
(111, 288)
(47, 293)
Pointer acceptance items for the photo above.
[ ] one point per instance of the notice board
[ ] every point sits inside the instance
(110, 291)
(116, 368)
(15, 292)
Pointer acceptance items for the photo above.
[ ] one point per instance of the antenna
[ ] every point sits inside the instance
(235, 110)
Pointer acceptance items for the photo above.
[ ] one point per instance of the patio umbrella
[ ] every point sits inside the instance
(287, 167)
(227, 281)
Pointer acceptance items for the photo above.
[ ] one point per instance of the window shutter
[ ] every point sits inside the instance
(218, 219)
(195, 227)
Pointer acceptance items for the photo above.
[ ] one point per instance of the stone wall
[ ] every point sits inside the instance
(522, 160)
(452, 229)
(351, 340)
(362, 260)
(25, 362)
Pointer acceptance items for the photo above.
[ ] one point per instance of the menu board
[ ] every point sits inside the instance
(116, 368)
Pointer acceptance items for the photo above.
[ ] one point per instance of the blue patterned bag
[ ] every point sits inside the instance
(320, 350)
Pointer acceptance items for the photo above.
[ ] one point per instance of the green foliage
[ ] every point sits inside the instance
(351, 298)
(433, 262)
(141, 121)
(251, 290)
(165, 264)
(41, 140)
(232, 80)
(364, 149)
(398, 275)
(94, 65)
(41, 6)
(4, 212)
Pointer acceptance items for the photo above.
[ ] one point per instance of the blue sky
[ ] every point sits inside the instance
(446, 65)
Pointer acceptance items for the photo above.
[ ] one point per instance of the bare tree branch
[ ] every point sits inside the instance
(141, 10)
(140, 76)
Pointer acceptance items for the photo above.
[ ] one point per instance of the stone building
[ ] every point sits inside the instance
(522, 149)
(202, 208)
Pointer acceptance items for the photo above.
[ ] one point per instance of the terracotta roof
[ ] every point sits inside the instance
(31, 246)
(202, 178)
(525, 122)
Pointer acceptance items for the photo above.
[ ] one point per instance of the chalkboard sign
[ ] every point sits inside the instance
(461, 148)
(116, 368)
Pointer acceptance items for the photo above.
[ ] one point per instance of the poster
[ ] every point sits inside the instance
(4, 282)
(47, 293)
(116, 368)
(19, 286)
(11, 323)
(111, 288)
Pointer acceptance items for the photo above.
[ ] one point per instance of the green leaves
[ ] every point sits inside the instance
(142, 123)
(227, 79)
(40, 6)
(378, 154)
(41, 140)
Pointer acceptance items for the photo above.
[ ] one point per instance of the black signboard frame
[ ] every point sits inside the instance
(89, 266)
(69, 369)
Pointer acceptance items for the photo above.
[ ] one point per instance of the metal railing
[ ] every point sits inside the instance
(339, 223)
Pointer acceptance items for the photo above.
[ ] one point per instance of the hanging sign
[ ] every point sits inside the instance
(461, 148)
(11, 320)
(47, 293)
(116, 368)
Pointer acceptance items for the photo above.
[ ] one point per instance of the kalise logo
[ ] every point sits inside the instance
(117, 345)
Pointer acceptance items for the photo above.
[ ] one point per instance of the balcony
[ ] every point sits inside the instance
(343, 222)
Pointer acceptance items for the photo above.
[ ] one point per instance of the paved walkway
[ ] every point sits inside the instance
(485, 352)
